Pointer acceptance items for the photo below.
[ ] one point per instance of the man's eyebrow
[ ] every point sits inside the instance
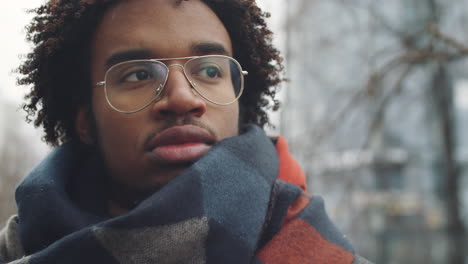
(135, 54)
(138, 54)
(209, 48)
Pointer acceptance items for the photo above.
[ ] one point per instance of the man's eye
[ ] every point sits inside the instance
(210, 72)
(137, 76)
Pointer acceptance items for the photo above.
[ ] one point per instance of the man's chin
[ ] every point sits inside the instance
(128, 194)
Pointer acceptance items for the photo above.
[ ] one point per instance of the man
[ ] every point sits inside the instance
(159, 158)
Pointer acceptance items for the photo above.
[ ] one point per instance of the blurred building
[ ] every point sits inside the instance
(372, 132)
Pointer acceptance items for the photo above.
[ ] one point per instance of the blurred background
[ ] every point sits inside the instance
(375, 110)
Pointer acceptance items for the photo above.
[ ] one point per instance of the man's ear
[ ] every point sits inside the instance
(83, 127)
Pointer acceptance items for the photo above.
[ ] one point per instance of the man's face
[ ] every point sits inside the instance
(149, 148)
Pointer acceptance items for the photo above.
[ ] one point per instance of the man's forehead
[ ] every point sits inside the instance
(156, 29)
(150, 19)
(90, 2)
(104, 1)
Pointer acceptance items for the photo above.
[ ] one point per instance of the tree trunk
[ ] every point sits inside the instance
(442, 93)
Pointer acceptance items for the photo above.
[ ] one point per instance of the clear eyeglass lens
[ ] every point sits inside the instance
(132, 85)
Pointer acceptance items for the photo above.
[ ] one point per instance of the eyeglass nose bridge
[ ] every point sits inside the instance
(161, 86)
(182, 67)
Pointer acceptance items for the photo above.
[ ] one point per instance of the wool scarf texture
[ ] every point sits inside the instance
(245, 201)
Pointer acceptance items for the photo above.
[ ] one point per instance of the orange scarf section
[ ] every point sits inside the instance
(289, 169)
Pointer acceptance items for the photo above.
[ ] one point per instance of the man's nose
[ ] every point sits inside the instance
(178, 97)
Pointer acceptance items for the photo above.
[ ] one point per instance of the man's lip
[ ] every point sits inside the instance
(179, 135)
(180, 144)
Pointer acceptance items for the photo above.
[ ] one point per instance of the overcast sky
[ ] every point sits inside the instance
(12, 23)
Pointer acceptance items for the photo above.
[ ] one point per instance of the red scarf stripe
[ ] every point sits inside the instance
(299, 242)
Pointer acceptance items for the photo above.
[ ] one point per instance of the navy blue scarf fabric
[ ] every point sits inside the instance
(214, 212)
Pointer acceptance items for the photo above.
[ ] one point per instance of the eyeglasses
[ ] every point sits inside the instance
(133, 85)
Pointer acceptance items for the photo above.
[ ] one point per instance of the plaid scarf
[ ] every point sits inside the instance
(243, 202)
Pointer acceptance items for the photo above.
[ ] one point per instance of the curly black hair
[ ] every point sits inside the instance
(62, 30)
